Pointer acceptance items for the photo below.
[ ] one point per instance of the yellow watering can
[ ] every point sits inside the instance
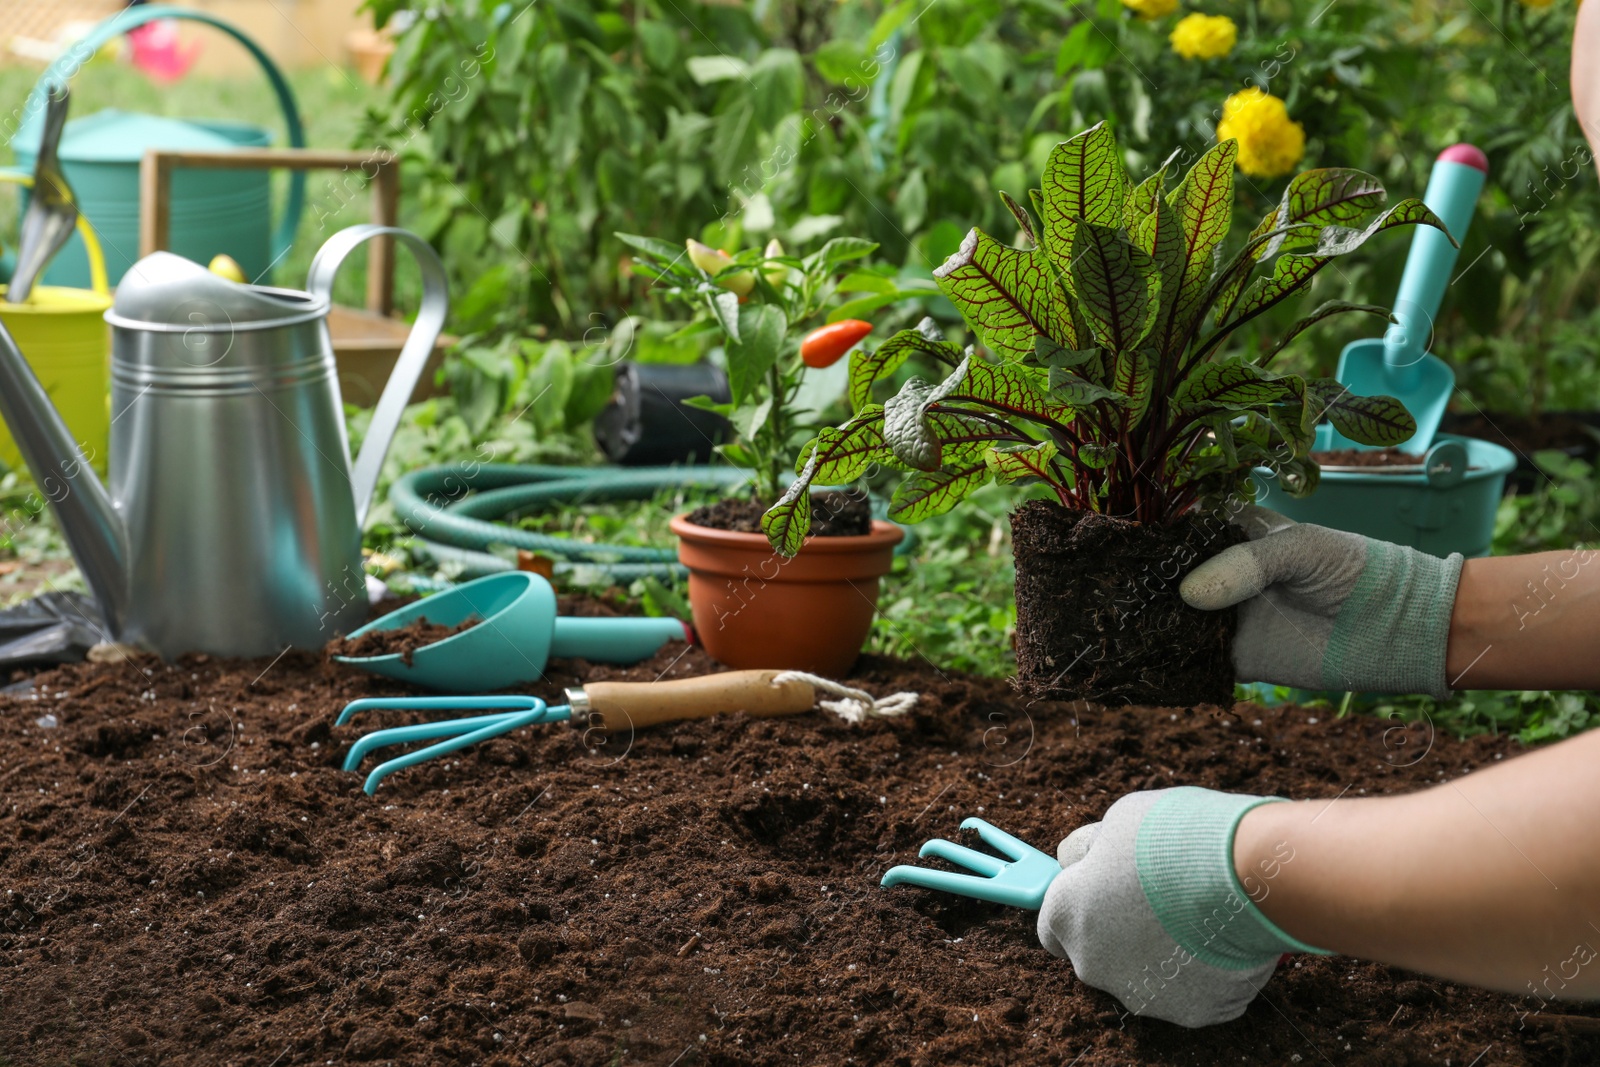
(65, 337)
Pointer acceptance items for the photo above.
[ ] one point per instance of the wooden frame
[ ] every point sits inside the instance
(155, 197)
(367, 342)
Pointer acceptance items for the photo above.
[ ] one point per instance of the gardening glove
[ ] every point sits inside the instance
(1148, 907)
(1325, 609)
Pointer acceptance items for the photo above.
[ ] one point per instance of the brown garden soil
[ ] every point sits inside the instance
(1098, 611)
(833, 514)
(187, 877)
(401, 640)
(1366, 457)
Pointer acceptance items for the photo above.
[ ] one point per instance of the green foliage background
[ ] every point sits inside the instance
(898, 121)
(538, 130)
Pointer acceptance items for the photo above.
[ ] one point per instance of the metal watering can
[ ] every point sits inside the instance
(232, 522)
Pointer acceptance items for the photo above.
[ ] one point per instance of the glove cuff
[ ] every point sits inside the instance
(1392, 632)
(1183, 854)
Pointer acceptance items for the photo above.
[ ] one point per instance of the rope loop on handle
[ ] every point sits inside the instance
(854, 706)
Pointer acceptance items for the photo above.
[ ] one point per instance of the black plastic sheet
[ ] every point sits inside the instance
(50, 628)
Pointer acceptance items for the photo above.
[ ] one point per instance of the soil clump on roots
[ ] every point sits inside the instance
(188, 877)
(1098, 612)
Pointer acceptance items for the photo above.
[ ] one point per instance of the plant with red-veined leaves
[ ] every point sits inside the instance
(1103, 373)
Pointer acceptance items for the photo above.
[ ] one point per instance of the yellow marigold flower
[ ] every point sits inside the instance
(1270, 143)
(1151, 9)
(1204, 36)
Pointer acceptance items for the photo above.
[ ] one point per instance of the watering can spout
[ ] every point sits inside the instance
(65, 478)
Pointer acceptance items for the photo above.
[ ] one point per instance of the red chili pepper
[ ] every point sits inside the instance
(823, 346)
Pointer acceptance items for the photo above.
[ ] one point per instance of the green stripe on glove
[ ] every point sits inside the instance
(1326, 609)
(1184, 856)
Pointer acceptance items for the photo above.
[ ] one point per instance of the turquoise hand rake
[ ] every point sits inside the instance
(514, 712)
(602, 705)
(1019, 881)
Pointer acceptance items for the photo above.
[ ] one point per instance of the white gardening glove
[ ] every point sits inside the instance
(1148, 908)
(1325, 609)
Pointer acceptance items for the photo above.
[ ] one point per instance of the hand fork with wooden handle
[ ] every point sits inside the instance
(599, 705)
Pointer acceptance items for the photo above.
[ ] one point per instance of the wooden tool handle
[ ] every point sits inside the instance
(619, 705)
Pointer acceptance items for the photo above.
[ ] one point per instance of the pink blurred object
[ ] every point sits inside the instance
(158, 51)
(1471, 155)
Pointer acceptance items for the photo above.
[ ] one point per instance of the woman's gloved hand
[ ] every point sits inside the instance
(1325, 609)
(1148, 907)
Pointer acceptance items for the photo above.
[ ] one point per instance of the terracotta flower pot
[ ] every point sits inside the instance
(756, 609)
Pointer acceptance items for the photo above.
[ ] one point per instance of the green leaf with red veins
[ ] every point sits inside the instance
(1368, 420)
(905, 425)
(1160, 237)
(787, 522)
(1292, 424)
(866, 368)
(1290, 274)
(1024, 222)
(1294, 270)
(1095, 456)
(1013, 462)
(961, 436)
(1203, 202)
(1084, 181)
(925, 494)
(844, 453)
(1228, 295)
(1341, 240)
(1146, 195)
(1010, 389)
(1076, 392)
(1298, 476)
(1324, 311)
(1233, 383)
(1008, 295)
(1328, 196)
(1133, 374)
(1116, 284)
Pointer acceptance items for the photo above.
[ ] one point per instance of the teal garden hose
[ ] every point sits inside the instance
(454, 511)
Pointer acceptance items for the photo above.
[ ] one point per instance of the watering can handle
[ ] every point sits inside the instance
(413, 355)
(81, 51)
(91, 243)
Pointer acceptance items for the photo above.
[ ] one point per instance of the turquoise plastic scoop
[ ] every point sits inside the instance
(1400, 364)
(1020, 880)
(518, 634)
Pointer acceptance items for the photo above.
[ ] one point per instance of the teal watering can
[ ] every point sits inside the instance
(213, 211)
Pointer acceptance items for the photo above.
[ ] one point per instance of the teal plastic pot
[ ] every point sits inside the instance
(1447, 507)
(213, 211)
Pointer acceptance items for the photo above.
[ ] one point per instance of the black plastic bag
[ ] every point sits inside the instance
(646, 423)
(50, 628)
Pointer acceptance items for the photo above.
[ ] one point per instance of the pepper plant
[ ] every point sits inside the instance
(758, 304)
(1104, 371)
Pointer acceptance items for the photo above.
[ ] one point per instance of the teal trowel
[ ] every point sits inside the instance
(1399, 364)
(516, 630)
